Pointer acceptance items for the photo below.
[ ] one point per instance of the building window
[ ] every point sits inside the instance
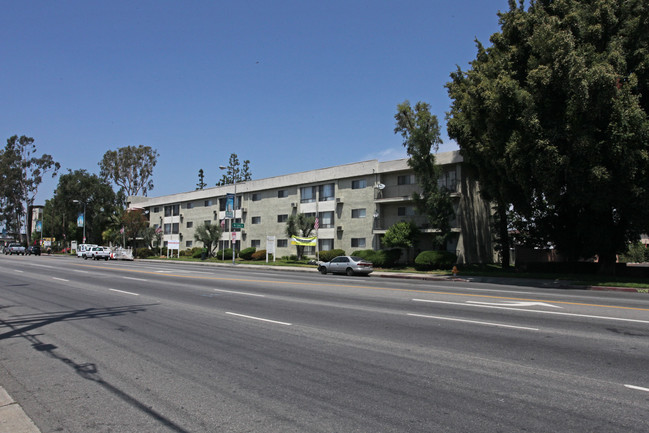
(255, 243)
(222, 202)
(447, 181)
(156, 209)
(326, 220)
(307, 194)
(326, 192)
(190, 224)
(256, 220)
(171, 229)
(189, 205)
(309, 251)
(358, 213)
(358, 242)
(173, 210)
(282, 243)
(406, 179)
(207, 203)
(207, 222)
(359, 184)
(326, 244)
(282, 218)
(282, 193)
(256, 196)
(188, 244)
(406, 211)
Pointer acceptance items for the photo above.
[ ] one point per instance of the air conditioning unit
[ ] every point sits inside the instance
(339, 228)
(339, 200)
(293, 204)
(244, 209)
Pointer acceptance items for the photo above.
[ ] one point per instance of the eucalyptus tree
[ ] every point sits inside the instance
(22, 173)
(130, 168)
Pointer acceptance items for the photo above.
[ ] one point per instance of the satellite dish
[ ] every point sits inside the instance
(380, 186)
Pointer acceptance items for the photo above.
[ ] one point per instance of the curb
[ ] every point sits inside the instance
(13, 418)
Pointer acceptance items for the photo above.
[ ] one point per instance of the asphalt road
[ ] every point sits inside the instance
(149, 347)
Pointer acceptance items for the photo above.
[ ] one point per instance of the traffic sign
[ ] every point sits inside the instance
(237, 225)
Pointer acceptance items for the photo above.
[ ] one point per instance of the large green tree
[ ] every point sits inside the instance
(421, 138)
(22, 173)
(130, 168)
(103, 206)
(554, 115)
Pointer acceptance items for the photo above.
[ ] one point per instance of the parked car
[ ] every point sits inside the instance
(98, 253)
(349, 265)
(34, 249)
(12, 249)
(84, 249)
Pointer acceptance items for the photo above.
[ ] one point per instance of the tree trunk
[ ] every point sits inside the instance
(503, 234)
(607, 263)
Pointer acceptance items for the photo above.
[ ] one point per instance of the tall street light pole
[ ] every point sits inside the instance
(84, 219)
(234, 210)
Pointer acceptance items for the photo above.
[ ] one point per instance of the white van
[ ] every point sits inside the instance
(83, 250)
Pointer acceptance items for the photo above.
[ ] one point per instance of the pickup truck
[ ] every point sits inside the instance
(14, 249)
(98, 253)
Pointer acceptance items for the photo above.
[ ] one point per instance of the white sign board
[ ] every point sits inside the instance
(173, 245)
(271, 241)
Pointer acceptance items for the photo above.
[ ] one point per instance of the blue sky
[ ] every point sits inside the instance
(289, 85)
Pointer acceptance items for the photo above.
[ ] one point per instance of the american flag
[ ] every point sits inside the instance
(316, 224)
(158, 230)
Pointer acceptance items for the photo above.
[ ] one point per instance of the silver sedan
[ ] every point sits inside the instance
(349, 265)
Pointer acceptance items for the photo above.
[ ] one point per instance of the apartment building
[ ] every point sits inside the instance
(355, 204)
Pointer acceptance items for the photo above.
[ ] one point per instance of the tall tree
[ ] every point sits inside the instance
(300, 225)
(403, 234)
(102, 206)
(130, 168)
(209, 235)
(557, 107)
(24, 174)
(234, 171)
(421, 138)
(201, 180)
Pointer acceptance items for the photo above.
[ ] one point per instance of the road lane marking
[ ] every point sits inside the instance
(558, 313)
(475, 322)
(122, 291)
(240, 293)
(258, 318)
(302, 283)
(80, 271)
(60, 279)
(135, 279)
(19, 271)
(639, 388)
(515, 304)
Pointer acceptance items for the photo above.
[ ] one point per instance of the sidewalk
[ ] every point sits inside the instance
(530, 282)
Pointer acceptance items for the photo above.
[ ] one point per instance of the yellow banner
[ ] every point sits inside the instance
(305, 242)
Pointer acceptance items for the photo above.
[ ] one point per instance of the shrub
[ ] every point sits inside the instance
(247, 253)
(429, 260)
(326, 256)
(226, 254)
(293, 257)
(197, 253)
(143, 253)
(381, 258)
(261, 255)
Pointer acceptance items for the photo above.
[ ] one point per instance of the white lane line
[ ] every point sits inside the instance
(19, 271)
(79, 271)
(258, 318)
(60, 279)
(453, 319)
(240, 293)
(135, 279)
(639, 388)
(122, 291)
(588, 316)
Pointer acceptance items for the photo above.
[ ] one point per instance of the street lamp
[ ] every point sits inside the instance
(234, 207)
(84, 219)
